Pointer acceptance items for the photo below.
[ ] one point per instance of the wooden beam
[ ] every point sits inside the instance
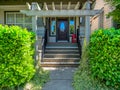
(35, 6)
(45, 6)
(87, 29)
(86, 5)
(69, 4)
(28, 6)
(77, 6)
(53, 6)
(60, 5)
(61, 13)
(34, 23)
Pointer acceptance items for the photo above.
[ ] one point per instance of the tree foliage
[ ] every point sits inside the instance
(116, 12)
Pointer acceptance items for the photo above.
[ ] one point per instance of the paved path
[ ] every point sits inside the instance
(60, 79)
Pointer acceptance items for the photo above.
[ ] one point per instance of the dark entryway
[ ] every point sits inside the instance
(62, 30)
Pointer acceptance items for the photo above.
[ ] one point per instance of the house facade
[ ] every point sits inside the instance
(10, 14)
(56, 21)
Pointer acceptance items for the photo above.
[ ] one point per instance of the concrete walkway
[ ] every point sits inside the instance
(60, 79)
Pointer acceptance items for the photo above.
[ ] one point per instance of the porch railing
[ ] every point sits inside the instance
(78, 42)
(44, 43)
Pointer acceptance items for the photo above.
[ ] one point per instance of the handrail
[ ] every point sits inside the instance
(78, 42)
(44, 42)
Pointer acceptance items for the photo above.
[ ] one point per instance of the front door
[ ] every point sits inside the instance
(62, 30)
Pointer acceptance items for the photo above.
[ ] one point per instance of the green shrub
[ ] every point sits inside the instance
(82, 79)
(104, 56)
(16, 62)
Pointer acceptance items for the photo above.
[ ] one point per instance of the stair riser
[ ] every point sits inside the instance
(62, 52)
(61, 56)
(60, 65)
(61, 48)
(63, 44)
(61, 60)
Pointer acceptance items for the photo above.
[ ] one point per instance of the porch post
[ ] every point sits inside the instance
(87, 28)
(87, 24)
(34, 23)
(34, 29)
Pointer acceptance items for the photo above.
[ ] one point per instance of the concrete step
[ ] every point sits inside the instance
(60, 64)
(62, 48)
(61, 59)
(62, 44)
(61, 55)
(61, 51)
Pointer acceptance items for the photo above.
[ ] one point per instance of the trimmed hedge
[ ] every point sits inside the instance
(104, 56)
(16, 62)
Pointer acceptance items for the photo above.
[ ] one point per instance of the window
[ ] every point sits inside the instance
(72, 25)
(53, 26)
(16, 18)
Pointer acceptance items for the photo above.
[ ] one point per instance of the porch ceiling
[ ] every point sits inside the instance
(23, 2)
(60, 9)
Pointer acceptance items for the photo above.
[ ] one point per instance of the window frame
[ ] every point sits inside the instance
(15, 13)
(55, 26)
(74, 25)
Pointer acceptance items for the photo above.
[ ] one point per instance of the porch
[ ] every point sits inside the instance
(55, 24)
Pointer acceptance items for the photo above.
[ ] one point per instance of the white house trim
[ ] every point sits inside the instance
(45, 6)
(53, 6)
(60, 13)
(77, 5)
(69, 4)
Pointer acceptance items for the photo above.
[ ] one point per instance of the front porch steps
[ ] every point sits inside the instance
(61, 55)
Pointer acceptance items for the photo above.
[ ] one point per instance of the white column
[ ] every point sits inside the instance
(87, 28)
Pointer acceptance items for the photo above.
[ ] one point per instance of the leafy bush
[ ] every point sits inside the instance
(104, 56)
(82, 79)
(16, 62)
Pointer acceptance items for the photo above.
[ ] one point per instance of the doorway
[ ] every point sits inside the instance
(62, 30)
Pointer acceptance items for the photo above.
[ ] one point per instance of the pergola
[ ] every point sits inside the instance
(61, 10)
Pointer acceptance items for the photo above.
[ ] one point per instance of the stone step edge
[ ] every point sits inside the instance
(62, 58)
(60, 63)
(62, 50)
(60, 54)
(60, 47)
